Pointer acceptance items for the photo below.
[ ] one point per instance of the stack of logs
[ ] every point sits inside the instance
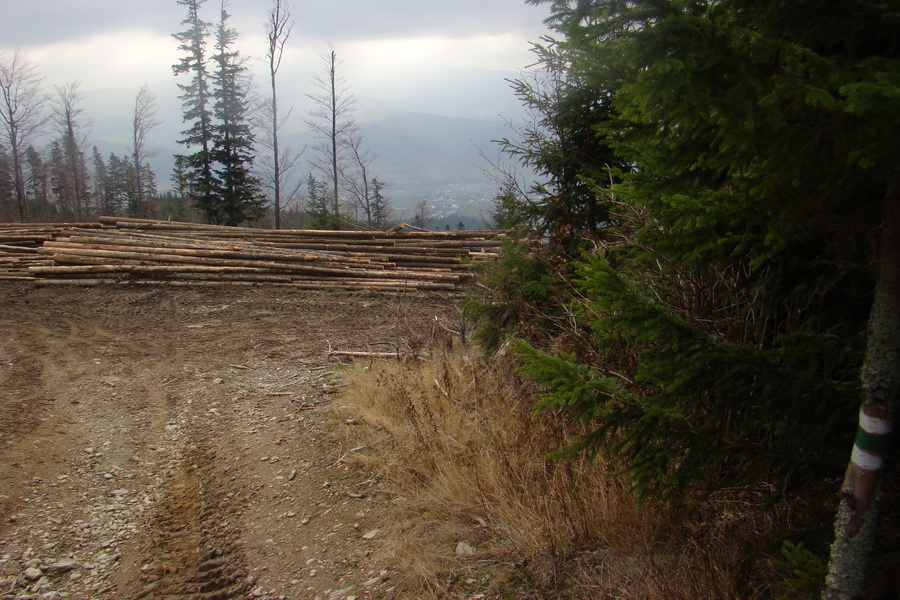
(147, 251)
(19, 243)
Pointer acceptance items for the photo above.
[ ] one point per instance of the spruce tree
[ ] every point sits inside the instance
(379, 206)
(238, 192)
(317, 204)
(7, 183)
(196, 171)
(722, 316)
(562, 144)
(101, 175)
(37, 177)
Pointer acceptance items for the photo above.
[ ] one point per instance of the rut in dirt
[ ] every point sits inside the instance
(192, 551)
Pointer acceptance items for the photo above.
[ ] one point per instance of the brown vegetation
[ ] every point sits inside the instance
(481, 510)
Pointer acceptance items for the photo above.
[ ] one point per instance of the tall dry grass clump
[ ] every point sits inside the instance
(481, 510)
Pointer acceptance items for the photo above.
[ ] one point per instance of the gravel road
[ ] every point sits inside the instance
(178, 443)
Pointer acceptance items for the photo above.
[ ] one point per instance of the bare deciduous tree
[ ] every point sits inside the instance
(332, 120)
(144, 119)
(23, 114)
(422, 218)
(279, 177)
(356, 177)
(278, 27)
(68, 114)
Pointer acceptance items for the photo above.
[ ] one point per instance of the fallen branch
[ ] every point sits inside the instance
(364, 354)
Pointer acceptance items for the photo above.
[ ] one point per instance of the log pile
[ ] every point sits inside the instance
(162, 252)
(19, 243)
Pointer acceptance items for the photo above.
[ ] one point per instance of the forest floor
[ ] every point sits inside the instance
(178, 442)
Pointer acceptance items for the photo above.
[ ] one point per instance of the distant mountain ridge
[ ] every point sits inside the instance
(427, 136)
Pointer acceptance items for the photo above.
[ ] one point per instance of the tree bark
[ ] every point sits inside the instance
(856, 523)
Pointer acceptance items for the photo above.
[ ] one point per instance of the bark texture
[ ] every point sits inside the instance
(856, 523)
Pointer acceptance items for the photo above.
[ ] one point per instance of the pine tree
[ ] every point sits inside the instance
(118, 184)
(60, 179)
(7, 184)
(101, 175)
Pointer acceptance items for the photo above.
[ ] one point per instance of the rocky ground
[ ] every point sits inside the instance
(178, 442)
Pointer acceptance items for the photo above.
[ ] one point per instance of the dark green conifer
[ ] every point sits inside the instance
(196, 171)
(238, 194)
(730, 297)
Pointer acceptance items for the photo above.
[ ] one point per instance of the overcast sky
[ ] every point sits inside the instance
(406, 55)
(125, 43)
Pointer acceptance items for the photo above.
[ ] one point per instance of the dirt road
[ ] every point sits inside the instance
(177, 442)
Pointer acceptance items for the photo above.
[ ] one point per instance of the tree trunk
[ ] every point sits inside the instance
(856, 522)
(334, 133)
(277, 165)
(21, 196)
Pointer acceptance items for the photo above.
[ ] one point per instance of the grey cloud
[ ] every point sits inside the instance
(47, 21)
(38, 22)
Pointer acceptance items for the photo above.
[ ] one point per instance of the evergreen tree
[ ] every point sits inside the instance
(379, 206)
(317, 204)
(60, 180)
(722, 315)
(37, 179)
(118, 184)
(238, 192)
(196, 170)
(101, 175)
(563, 144)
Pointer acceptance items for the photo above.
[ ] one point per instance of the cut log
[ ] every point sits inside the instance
(126, 250)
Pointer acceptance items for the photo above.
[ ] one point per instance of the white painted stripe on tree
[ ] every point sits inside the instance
(874, 425)
(866, 460)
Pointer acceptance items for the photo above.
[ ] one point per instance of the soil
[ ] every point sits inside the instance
(162, 442)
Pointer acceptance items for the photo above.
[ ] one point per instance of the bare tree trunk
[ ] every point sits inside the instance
(278, 30)
(143, 120)
(68, 115)
(22, 115)
(332, 121)
(277, 164)
(20, 184)
(856, 523)
(334, 132)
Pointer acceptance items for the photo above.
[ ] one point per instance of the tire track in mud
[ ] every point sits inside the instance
(27, 406)
(191, 549)
(22, 388)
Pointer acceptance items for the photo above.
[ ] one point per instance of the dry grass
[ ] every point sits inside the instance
(455, 440)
